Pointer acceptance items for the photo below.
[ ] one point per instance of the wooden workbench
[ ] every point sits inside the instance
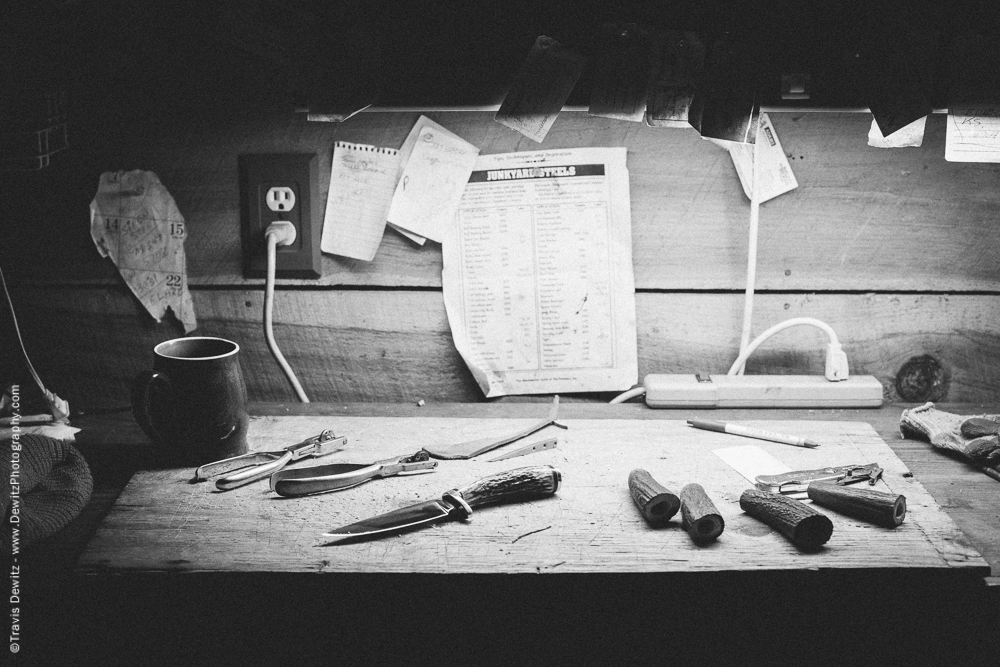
(153, 525)
(166, 579)
(163, 521)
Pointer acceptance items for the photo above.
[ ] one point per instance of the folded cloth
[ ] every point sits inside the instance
(945, 430)
(46, 484)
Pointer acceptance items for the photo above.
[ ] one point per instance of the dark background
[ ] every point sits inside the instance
(128, 64)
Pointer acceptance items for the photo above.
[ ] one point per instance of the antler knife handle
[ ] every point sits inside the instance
(656, 502)
(699, 516)
(513, 485)
(878, 507)
(804, 526)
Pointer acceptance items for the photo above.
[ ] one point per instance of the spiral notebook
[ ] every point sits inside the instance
(362, 180)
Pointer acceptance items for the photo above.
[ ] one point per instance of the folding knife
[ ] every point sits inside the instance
(796, 482)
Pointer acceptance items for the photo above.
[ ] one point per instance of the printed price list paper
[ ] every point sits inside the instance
(538, 282)
(134, 220)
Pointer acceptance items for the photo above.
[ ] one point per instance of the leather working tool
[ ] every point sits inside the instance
(257, 465)
(467, 450)
(338, 476)
(514, 485)
(531, 448)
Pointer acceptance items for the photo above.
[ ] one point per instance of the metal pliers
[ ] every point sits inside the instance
(262, 464)
(338, 476)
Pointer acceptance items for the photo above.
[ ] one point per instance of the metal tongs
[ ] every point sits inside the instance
(263, 464)
(796, 482)
(338, 476)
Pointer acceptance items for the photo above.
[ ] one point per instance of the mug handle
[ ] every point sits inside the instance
(140, 402)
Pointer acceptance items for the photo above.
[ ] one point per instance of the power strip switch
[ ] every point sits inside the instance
(761, 391)
(277, 187)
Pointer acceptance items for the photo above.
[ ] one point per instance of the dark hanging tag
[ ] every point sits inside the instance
(727, 106)
(889, 74)
(679, 60)
(621, 72)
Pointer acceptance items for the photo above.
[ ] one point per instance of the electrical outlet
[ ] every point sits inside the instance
(276, 187)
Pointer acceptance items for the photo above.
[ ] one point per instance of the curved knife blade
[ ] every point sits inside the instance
(406, 517)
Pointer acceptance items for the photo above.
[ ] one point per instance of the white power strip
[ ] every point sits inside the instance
(761, 391)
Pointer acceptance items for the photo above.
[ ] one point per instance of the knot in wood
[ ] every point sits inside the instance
(922, 378)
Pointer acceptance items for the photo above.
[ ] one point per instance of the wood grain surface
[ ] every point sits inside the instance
(162, 521)
(896, 249)
(396, 346)
(861, 219)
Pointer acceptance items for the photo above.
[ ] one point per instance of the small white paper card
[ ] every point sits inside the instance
(909, 135)
(404, 157)
(430, 189)
(973, 134)
(774, 175)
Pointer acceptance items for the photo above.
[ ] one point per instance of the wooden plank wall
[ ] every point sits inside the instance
(897, 249)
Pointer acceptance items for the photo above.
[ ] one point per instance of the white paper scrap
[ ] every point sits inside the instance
(416, 238)
(134, 220)
(751, 461)
(430, 188)
(909, 135)
(774, 175)
(404, 157)
(973, 134)
(362, 180)
(538, 282)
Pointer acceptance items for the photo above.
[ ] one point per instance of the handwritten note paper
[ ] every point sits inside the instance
(404, 156)
(973, 134)
(135, 222)
(362, 179)
(774, 175)
(910, 135)
(431, 186)
(540, 88)
(973, 125)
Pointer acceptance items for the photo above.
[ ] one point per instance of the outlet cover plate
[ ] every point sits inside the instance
(258, 174)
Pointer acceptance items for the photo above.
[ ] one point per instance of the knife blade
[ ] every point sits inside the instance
(519, 484)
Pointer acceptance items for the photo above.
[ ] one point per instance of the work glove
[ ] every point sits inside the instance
(49, 485)
(976, 437)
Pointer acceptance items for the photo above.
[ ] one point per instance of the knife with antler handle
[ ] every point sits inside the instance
(519, 484)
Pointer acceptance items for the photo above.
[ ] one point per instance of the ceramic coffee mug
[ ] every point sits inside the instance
(193, 404)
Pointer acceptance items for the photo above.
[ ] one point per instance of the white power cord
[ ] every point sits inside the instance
(58, 407)
(751, 255)
(278, 233)
(836, 360)
(631, 393)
